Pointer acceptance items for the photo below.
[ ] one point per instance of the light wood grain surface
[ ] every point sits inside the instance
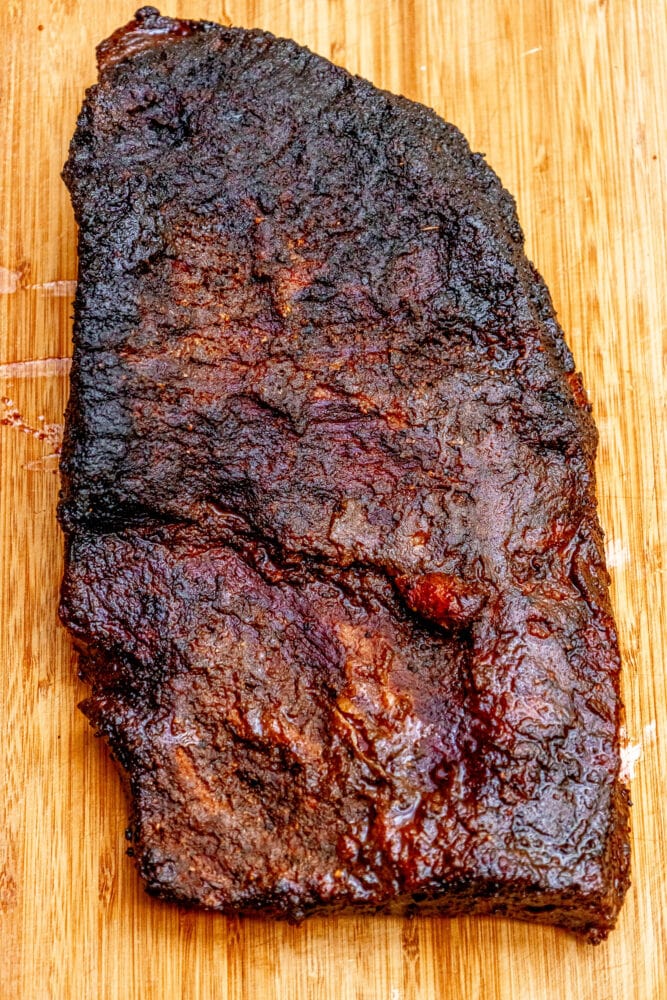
(568, 102)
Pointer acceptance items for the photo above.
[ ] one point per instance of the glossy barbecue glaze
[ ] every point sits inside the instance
(333, 558)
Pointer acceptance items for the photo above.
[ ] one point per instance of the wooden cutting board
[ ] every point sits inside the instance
(565, 99)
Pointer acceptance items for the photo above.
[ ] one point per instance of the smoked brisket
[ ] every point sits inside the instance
(333, 561)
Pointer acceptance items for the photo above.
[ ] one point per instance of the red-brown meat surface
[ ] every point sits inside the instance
(333, 558)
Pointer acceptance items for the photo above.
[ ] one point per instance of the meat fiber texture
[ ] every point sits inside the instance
(333, 560)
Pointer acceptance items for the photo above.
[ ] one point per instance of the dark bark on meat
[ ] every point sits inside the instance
(333, 558)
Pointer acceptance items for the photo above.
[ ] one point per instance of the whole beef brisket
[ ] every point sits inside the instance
(334, 566)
